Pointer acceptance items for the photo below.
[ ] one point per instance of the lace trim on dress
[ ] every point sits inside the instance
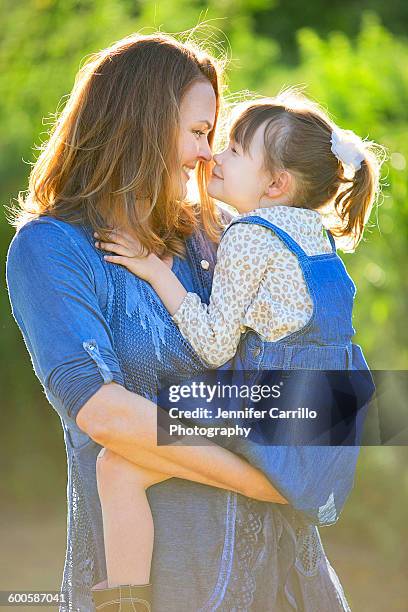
(308, 550)
(249, 541)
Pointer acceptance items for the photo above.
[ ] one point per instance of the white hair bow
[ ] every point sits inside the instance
(348, 148)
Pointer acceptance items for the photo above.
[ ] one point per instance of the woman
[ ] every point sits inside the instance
(141, 117)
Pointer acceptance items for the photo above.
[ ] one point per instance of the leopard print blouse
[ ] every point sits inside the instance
(258, 284)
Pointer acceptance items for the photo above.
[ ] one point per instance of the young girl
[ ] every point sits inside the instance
(280, 293)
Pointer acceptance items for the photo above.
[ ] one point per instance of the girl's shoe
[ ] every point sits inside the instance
(124, 598)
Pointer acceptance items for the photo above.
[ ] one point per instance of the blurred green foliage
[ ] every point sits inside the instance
(351, 60)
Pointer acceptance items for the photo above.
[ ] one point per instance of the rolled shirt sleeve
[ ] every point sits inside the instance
(55, 303)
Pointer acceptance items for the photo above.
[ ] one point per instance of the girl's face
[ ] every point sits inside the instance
(197, 116)
(239, 178)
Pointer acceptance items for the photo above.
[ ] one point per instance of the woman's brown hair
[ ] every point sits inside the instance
(297, 138)
(112, 154)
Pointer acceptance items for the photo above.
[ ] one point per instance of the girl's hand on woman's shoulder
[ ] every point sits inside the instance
(131, 254)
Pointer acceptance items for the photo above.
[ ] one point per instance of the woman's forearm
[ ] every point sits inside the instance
(126, 423)
(258, 487)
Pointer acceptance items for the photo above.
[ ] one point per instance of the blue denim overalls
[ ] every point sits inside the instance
(324, 343)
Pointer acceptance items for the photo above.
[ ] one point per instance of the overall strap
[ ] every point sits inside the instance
(286, 239)
(332, 242)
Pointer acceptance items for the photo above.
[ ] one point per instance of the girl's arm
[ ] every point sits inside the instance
(213, 331)
(126, 423)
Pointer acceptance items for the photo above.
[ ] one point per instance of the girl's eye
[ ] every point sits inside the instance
(198, 133)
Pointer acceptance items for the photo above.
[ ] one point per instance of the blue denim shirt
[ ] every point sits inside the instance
(87, 323)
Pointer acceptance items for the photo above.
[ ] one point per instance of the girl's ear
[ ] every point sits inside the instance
(281, 184)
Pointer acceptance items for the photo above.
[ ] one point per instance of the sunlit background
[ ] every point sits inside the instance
(352, 56)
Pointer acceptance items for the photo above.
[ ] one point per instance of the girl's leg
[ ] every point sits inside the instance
(127, 518)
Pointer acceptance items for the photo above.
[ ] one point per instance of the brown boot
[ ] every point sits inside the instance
(124, 598)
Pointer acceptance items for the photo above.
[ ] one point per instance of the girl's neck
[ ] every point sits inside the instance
(268, 203)
(265, 205)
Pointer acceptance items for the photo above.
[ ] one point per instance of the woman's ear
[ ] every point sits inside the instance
(281, 184)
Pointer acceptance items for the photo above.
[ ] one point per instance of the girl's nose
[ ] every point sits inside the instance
(217, 158)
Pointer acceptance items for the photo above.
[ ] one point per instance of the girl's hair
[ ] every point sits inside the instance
(112, 156)
(297, 138)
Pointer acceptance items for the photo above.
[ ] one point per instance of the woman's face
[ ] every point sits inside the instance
(197, 116)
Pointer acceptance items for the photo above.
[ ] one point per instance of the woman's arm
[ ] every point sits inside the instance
(126, 423)
(52, 272)
(56, 285)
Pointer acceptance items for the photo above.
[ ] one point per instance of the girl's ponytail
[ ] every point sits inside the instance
(357, 193)
(354, 203)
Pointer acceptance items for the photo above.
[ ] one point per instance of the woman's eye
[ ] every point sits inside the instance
(198, 133)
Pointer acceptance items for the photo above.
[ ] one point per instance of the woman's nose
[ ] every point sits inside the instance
(205, 152)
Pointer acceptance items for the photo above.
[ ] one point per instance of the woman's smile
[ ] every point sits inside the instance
(187, 171)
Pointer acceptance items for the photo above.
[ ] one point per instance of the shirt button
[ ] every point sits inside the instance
(204, 264)
(256, 351)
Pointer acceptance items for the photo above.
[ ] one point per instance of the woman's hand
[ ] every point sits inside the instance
(131, 254)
